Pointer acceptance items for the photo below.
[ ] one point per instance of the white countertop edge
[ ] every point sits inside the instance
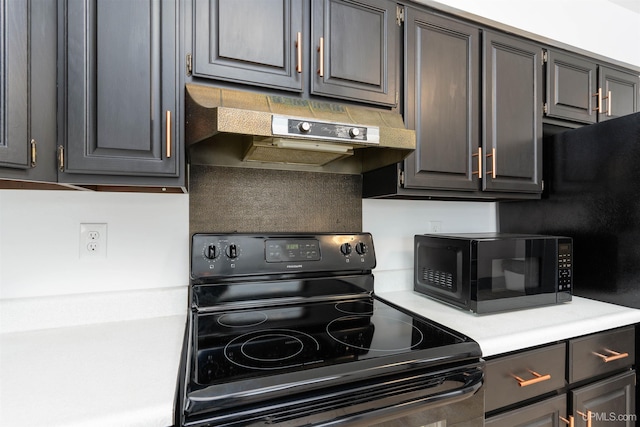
(516, 330)
(28, 314)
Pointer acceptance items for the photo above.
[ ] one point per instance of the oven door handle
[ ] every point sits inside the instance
(398, 410)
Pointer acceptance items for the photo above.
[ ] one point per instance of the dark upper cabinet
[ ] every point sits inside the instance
(336, 48)
(512, 141)
(253, 42)
(118, 96)
(618, 91)
(442, 101)
(354, 50)
(581, 90)
(27, 90)
(477, 137)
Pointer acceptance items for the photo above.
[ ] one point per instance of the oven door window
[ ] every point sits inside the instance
(514, 268)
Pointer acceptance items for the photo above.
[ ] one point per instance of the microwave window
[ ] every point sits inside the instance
(510, 277)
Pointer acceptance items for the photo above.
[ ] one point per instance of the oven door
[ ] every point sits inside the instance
(513, 273)
(416, 399)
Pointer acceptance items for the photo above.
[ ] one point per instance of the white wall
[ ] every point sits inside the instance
(147, 242)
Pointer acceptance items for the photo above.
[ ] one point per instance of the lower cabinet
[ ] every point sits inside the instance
(586, 381)
(546, 413)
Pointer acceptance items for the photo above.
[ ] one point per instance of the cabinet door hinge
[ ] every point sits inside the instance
(189, 65)
(400, 177)
(60, 158)
(399, 15)
(545, 56)
(34, 153)
(545, 108)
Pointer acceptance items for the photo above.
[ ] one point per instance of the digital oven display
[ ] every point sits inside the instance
(285, 250)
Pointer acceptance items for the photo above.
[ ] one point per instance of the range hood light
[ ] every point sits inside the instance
(313, 146)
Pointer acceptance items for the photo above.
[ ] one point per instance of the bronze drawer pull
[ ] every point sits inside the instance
(479, 156)
(537, 378)
(569, 421)
(614, 355)
(321, 56)
(299, 52)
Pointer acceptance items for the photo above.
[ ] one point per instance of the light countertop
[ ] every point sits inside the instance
(515, 330)
(107, 374)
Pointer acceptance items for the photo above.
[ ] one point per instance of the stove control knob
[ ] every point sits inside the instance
(354, 132)
(304, 127)
(232, 251)
(361, 248)
(345, 248)
(211, 251)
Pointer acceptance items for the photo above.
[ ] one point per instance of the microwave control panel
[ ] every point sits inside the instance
(565, 265)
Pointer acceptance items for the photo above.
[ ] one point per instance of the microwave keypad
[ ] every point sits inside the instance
(564, 267)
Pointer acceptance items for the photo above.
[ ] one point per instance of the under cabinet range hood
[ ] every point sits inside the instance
(227, 127)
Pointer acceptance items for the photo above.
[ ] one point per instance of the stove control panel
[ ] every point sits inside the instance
(220, 256)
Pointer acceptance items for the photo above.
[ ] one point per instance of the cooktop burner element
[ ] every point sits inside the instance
(279, 317)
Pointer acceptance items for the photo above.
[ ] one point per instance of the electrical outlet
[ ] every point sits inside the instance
(435, 226)
(93, 240)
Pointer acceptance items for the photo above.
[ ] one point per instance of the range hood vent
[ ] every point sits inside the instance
(246, 129)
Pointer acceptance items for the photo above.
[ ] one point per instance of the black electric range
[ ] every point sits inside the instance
(285, 329)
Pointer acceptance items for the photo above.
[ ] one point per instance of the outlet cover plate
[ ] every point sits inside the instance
(93, 240)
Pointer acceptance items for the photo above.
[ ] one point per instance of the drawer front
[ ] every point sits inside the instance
(538, 371)
(601, 353)
(547, 413)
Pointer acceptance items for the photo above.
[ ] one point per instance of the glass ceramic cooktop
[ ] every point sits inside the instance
(249, 343)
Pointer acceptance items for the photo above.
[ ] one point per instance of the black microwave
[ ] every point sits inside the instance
(492, 272)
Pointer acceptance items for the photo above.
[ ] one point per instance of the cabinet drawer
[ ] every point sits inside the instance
(539, 371)
(542, 414)
(601, 353)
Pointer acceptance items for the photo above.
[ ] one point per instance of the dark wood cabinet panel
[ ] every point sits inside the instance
(609, 402)
(512, 142)
(250, 41)
(14, 95)
(620, 90)
(356, 44)
(442, 101)
(118, 93)
(581, 90)
(27, 91)
(547, 413)
(571, 85)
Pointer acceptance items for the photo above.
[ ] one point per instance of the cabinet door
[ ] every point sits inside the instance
(119, 88)
(253, 42)
(442, 102)
(353, 46)
(512, 141)
(609, 402)
(619, 92)
(548, 413)
(571, 85)
(28, 91)
(14, 71)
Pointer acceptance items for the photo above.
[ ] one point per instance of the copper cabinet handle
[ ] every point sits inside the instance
(614, 355)
(586, 417)
(609, 104)
(537, 378)
(479, 156)
(60, 158)
(493, 163)
(168, 130)
(321, 54)
(299, 52)
(34, 153)
(599, 95)
(569, 421)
